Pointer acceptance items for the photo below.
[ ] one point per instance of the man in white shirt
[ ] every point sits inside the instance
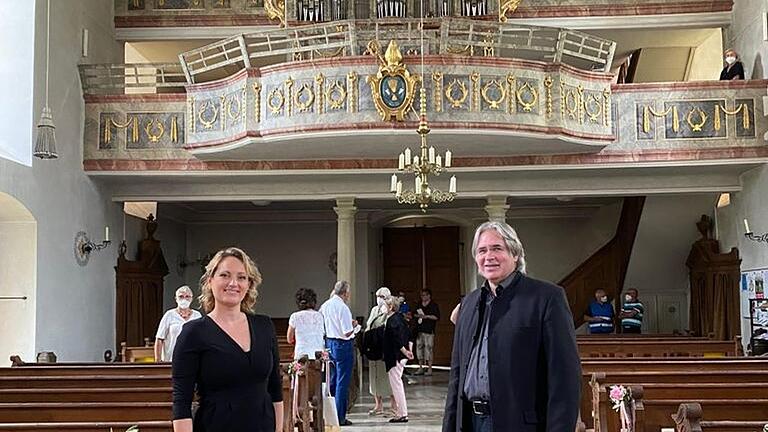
(339, 335)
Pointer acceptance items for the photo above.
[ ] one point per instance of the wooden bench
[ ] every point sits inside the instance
(654, 414)
(84, 411)
(650, 348)
(118, 394)
(138, 354)
(603, 416)
(84, 381)
(635, 364)
(689, 419)
(144, 426)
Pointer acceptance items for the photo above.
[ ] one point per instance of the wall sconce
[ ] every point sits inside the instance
(182, 263)
(748, 234)
(84, 246)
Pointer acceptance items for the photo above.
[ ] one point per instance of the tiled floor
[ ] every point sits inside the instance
(426, 399)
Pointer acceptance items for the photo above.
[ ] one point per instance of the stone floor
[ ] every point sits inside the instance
(426, 400)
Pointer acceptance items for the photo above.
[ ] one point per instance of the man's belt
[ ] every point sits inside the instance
(480, 407)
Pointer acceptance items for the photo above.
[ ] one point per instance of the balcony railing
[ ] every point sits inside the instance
(451, 36)
(123, 78)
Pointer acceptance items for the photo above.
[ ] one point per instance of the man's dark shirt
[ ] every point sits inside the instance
(476, 385)
(428, 325)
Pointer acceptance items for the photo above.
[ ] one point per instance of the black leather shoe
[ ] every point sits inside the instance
(399, 420)
(346, 422)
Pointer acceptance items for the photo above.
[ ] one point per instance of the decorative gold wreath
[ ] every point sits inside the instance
(229, 108)
(336, 89)
(696, 127)
(493, 103)
(456, 102)
(527, 106)
(593, 115)
(207, 123)
(148, 129)
(276, 93)
(305, 88)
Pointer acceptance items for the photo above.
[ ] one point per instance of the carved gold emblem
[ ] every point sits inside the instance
(336, 95)
(154, 130)
(527, 96)
(507, 7)
(275, 10)
(393, 86)
(493, 103)
(696, 125)
(451, 89)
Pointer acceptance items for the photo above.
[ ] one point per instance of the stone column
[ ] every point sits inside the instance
(345, 241)
(497, 208)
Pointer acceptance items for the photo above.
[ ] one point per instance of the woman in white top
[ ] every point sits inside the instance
(306, 327)
(171, 323)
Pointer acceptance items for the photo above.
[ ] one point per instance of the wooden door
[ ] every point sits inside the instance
(427, 257)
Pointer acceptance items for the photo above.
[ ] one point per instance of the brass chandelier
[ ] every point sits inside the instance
(426, 163)
(423, 165)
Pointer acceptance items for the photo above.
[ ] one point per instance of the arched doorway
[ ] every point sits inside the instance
(18, 271)
(426, 252)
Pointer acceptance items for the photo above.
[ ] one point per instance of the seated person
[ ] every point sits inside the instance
(734, 69)
(599, 314)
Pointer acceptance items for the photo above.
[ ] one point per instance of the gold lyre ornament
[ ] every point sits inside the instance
(393, 86)
(507, 7)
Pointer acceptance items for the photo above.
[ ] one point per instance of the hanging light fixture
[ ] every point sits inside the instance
(45, 143)
(426, 162)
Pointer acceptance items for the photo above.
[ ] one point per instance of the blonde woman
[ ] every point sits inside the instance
(377, 373)
(230, 355)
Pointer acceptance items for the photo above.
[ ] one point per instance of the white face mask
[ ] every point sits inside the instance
(604, 299)
(730, 60)
(183, 303)
(380, 302)
(628, 298)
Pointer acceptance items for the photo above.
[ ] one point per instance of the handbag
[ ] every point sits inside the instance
(330, 416)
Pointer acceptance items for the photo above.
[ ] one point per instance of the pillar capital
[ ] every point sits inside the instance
(345, 207)
(497, 208)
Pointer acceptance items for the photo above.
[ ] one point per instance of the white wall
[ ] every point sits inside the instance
(75, 305)
(18, 279)
(707, 59)
(751, 203)
(554, 247)
(289, 256)
(657, 267)
(17, 54)
(746, 36)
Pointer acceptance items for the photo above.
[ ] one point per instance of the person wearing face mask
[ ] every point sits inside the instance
(171, 323)
(377, 373)
(632, 313)
(734, 69)
(599, 314)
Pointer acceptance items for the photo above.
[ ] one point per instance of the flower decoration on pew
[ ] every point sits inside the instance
(325, 356)
(296, 367)
(619, 395)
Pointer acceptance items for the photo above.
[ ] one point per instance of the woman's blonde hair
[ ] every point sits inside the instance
(393, 303)
(254, 279)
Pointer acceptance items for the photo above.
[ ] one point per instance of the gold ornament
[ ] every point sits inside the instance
(393, 86)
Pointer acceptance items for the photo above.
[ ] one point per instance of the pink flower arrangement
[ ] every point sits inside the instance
(619, 395)
(296, 368)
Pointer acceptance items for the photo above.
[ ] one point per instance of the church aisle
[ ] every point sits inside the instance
(426, 400)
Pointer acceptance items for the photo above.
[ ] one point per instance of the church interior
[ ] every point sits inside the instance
(365, 141)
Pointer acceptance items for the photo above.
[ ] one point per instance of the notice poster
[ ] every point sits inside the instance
(753, 283)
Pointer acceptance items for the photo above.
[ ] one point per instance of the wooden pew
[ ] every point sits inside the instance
(143, 354)
(689, 419)
(601, 412)
(65, 369)
(636, 364)
(144, 426)
(84, 411)
(84, 381)
(655, 414)
(127, 394)
(650, 348)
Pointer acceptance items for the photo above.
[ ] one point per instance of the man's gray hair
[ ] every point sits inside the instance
(341, 288)
(514, 245)
(183, 289)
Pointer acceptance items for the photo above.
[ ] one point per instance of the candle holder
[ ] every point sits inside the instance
(762, 238)
(423, 165)
(84, 246)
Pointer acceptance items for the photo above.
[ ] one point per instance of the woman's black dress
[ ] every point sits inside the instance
(236, 388)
